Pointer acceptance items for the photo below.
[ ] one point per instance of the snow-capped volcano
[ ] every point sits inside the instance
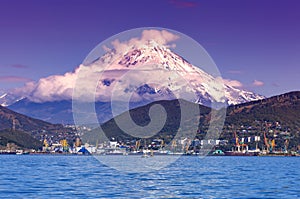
(138, 71)
(136, 67)
(147, 71)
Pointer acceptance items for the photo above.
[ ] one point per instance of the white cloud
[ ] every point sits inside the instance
(257, 83)
(162, 37)
(60, 87)
(52, 88)
(233, 83)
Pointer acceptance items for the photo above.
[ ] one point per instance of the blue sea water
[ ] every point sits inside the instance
(45, 176)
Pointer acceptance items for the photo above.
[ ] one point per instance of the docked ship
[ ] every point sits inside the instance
(241, 149)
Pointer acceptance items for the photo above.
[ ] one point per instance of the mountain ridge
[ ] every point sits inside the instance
(25, 132)
(281, 113)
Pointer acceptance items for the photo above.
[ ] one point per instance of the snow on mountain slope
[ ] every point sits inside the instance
(147, 69)
(7, 99)
(154, 57)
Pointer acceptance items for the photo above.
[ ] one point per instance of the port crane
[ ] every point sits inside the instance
(240, 146)
(137, 145)
(270, 143)
(186, 144)
(45, 143)
(174, 145)
(64, 144)
(266, 142)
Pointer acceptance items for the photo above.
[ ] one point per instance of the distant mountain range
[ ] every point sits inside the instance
(61, 111)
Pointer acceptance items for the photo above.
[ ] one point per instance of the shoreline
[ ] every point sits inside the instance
(141, 154)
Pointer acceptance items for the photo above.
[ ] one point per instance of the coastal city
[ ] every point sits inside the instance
(247, 141)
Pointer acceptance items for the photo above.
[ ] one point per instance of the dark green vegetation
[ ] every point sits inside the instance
(282, 108)
(279, 115)
(19, 138)
(25, 131)
(141, 117)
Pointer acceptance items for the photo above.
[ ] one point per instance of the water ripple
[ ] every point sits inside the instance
(189, 177)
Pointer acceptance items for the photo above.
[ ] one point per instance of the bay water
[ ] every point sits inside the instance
(62, 176)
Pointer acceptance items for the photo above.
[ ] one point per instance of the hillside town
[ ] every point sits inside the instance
(271, 140)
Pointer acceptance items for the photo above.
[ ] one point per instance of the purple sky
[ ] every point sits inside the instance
(249, 40)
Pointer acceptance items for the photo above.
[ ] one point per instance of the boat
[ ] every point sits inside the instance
(21, 152)
(240, 153)
(217, 152)
(145, 154)
(242, 149)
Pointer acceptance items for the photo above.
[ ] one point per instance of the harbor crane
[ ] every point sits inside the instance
(270, 143)
(239, 145)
